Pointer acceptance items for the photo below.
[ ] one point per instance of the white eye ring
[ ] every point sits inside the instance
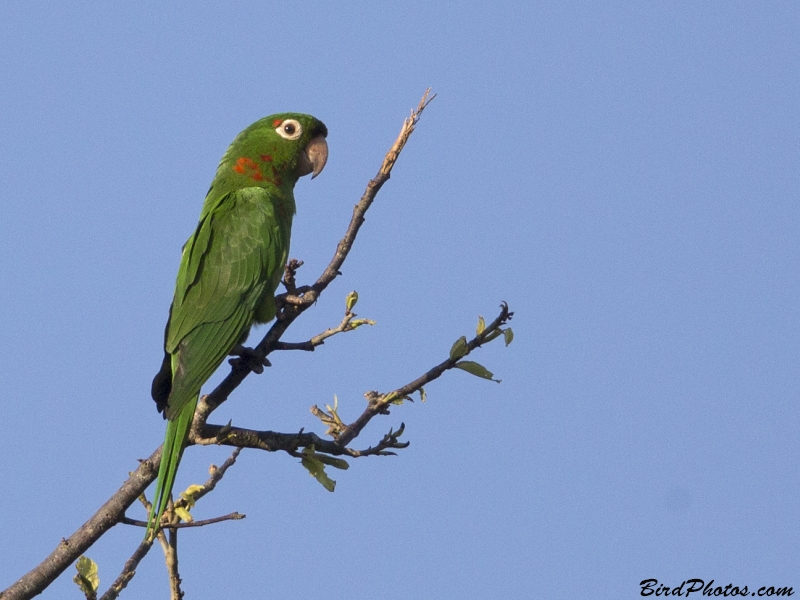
(290, 129)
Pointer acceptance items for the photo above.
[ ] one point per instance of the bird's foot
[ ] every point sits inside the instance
(248, 358)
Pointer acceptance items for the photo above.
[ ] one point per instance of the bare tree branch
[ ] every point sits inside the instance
(128, 571)
(344, 434)
(348, 323)
(234, 516)
(69, 549)
(379, 403)
(169, 543)
(217, 473)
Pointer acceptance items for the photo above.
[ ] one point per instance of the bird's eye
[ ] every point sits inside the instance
(289, 129)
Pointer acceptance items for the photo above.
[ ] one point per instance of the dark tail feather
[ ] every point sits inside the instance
(162, 385)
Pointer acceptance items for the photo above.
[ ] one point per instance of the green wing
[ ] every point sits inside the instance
(229, 268)
(229, 271)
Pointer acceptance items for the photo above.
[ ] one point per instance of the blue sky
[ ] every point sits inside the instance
(625, 175)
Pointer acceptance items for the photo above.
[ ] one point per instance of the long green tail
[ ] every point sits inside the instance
(171, 452)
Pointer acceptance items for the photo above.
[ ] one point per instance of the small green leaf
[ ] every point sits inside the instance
(359, 322)
(184, 514)
(336, 463)
(476, 369)
(459, 348)
(87, 578)
(351, 300)
(395, 398)
(508, 335)
(316, 468)
(192, 490)
(481, 325)
(423, 395)
(188, 494)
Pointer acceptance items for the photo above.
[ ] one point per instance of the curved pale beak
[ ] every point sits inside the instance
(313, 159)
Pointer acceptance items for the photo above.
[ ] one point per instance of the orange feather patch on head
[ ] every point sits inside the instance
(246, 165)
(277, 122)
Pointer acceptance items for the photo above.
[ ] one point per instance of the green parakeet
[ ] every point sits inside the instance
(230, 268)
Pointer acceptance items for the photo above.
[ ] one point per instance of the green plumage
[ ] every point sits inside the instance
(230, 268)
